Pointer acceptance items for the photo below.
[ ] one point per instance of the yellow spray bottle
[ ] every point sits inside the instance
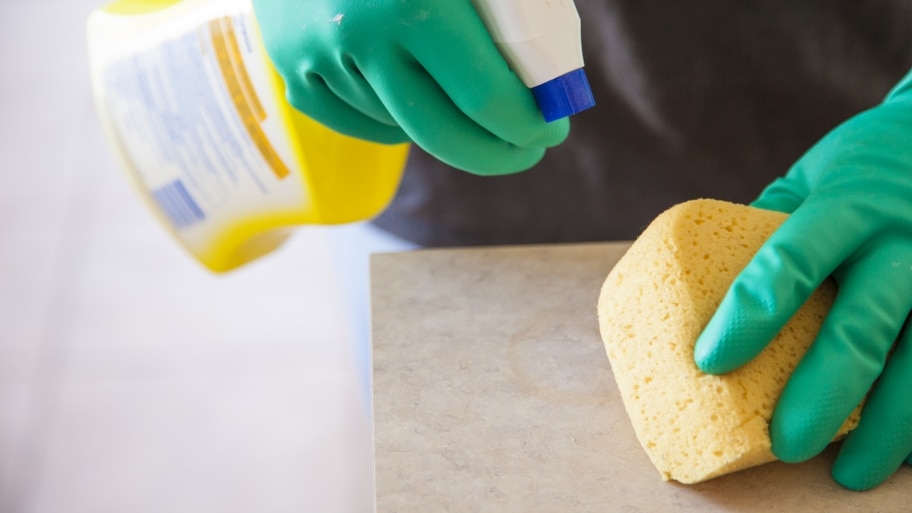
(197, 117)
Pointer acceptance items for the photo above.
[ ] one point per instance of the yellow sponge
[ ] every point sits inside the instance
(653, 306)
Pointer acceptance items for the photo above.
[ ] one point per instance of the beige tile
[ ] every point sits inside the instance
(272, 444)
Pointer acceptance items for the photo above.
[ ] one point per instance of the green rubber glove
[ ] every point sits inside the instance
(392, 71)
(850, 199)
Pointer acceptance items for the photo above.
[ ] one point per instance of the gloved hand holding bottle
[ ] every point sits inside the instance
(850, 199)
(425, 71)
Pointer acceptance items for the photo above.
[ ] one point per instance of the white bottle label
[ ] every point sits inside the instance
(197, 118)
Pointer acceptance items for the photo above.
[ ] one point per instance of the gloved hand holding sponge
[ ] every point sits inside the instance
(427, 71)
(850, 200)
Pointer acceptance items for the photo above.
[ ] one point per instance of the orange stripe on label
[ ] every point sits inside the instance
(240, 71)
(251, 113)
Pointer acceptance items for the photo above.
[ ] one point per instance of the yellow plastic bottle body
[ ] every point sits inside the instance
(197, 117)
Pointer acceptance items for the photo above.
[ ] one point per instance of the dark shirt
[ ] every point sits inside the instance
(701, 98)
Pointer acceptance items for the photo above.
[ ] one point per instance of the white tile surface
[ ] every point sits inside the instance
(219, 445)
(131, 379)
(27, 263)
(42, 120)
(146, 310)
(16, 413)
(46, 35)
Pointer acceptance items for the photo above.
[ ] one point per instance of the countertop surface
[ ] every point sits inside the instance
(492, 392)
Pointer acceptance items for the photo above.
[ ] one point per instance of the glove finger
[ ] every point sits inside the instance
(491, 94)
(883, 438)
(434, 122)
(322, 105)
(346, 80)
(795, 260)
(785, 194)
(847, 356)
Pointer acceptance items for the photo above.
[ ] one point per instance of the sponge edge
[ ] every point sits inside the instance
(653, 306)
